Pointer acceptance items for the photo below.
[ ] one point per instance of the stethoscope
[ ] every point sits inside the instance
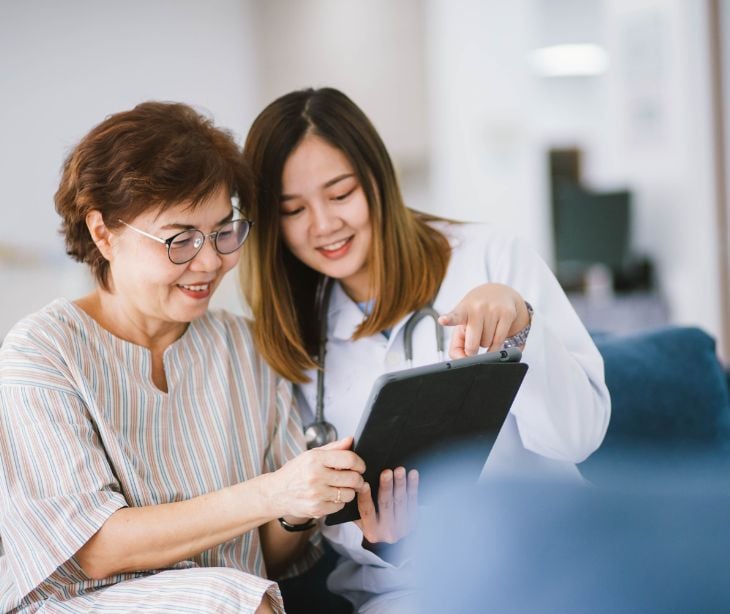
(321, 432)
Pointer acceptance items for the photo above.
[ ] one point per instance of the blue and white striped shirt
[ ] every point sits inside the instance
(84, 431)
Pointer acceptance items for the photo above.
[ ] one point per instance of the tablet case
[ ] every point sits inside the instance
(415, 414)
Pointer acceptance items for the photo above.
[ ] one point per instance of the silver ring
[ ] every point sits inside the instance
(337, 498)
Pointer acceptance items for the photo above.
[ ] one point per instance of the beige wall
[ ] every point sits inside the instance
(64, 66)
(373, 51)
(446, 82)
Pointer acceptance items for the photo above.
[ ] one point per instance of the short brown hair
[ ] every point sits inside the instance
(408, 258)
(159, 154)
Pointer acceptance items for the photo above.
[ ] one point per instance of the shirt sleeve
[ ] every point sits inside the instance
(56, 486)
(563, 407)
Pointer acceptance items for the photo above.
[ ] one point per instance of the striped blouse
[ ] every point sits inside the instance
(84, 432)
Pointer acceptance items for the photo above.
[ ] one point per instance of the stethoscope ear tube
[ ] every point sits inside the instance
(425, 312)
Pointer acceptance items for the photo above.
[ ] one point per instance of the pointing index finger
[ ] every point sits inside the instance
(453, 318)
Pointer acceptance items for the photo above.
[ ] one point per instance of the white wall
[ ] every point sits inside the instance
(445, 81)
(725, 96)
(64, 66)
(725, 50)
(485, 162)
(658, 137)
(492, 122)
(372, 50)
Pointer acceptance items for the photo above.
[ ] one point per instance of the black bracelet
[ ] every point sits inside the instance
(295, 528)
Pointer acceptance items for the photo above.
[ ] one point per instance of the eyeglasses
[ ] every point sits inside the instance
(185, 245)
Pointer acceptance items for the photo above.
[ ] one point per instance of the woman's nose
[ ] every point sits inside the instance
(324, 220)
(208, 258)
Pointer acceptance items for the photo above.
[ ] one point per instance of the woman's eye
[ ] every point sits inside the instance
(181, 242)
(343, 196)
(292, 211)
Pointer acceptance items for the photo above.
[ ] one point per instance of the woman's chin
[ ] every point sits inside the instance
(188, 313)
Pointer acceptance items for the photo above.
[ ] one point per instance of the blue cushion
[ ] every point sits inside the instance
(667, 389)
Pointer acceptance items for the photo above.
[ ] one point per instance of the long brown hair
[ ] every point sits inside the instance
(407, 260)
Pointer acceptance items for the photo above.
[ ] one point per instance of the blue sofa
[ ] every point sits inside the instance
(669, 396)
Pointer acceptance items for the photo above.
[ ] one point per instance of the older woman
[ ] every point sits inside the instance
(150, 460)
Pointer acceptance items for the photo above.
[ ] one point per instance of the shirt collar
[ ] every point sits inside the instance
(343, 315)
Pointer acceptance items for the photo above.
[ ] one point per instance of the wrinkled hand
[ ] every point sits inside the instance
(317, 482)
(397, 505)
(485, 317)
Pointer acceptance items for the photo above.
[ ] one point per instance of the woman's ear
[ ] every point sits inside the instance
(100, 234)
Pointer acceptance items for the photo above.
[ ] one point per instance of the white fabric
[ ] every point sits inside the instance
(558, 418)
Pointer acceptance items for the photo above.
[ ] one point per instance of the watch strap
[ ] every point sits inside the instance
(520, 338)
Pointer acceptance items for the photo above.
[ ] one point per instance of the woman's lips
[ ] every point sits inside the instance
(197, 291)
(337, 249)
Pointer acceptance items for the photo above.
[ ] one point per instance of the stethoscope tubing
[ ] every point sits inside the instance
(321, 432)
(324, 291)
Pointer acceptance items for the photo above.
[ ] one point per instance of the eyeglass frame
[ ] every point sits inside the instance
(212, 236)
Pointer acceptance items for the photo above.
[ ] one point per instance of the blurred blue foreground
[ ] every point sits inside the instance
(648, 536)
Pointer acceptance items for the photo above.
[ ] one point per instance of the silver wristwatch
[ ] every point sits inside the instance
(520, 337)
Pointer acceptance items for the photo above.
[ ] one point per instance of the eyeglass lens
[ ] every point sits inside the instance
(228, 239)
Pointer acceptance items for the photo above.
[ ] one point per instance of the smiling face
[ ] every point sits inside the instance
(149, 289)
(325, 219)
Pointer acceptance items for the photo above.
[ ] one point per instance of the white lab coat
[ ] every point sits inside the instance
(558, 418)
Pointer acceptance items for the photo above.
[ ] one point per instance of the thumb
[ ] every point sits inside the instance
(453, 318)
(340, 444)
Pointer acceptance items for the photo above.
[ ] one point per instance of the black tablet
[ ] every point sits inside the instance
(417, 413)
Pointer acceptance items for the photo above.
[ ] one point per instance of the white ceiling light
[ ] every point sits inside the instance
(584, 60)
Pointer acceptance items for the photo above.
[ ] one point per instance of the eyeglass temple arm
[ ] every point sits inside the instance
(146, 234)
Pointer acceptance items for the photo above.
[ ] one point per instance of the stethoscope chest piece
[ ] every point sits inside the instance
(319, 433)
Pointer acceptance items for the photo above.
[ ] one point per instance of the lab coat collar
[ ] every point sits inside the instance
(344, 316)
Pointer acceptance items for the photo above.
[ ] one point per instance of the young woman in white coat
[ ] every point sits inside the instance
(328, 205)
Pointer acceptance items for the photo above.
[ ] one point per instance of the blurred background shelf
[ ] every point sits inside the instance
(621, 313)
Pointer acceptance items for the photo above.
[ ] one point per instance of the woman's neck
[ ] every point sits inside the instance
(125, 322)
(357, 287)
